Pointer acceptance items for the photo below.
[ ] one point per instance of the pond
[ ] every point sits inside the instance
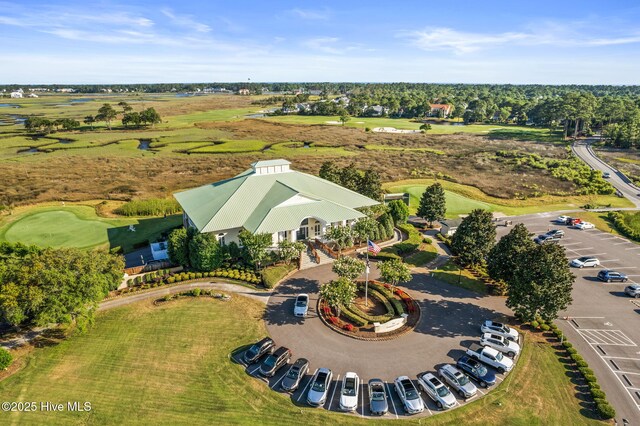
(10, 106)
(144, 144)
(306, 145)
(80, 100)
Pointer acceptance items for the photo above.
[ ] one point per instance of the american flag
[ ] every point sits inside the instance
(373, 247)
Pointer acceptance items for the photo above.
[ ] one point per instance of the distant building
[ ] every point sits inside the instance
(440, 110)
(32, 95)
(402, 196)
(449, 226)
(244, 92)
(16, 95)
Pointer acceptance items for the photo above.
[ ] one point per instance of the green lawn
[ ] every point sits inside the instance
(143, 364)
(80, 226)
(461, 199)
(452, 274)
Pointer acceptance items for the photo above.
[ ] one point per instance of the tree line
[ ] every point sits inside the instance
(41, 286)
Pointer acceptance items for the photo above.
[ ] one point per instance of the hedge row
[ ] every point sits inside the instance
(411, 244)
(621, 226)
(370, 318)
(605, 410)
(353, 317)
(397, 305)
(388, 306)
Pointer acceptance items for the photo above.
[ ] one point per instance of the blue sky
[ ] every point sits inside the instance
(564, 42)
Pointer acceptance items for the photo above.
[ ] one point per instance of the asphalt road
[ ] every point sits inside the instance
(450, 321)
(583, 150)
(602, 322)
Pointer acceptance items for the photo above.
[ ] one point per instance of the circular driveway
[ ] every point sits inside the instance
(450, 321)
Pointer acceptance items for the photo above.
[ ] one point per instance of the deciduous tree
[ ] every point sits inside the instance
(474, 238)
(503, 258)
(254, 246)
(394, 271)
(338, 293)
(541, 284)
(399, 211)
(348, 267)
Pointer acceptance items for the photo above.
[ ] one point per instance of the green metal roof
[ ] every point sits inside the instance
(251, 201)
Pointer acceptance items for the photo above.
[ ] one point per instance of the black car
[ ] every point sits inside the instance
(476, 370)
(255, 352)
(273, 362)
(609, 276)
(296, 372)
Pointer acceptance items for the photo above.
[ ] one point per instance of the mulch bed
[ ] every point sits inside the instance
(345, 327)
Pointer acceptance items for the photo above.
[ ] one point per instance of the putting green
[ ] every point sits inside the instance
(57, 228)
(456, 204)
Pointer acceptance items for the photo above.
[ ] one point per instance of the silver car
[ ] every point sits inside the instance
(319, 389)
(458, 381)
(437, 391)
(377, 397)
(409, 395)
(633, 290)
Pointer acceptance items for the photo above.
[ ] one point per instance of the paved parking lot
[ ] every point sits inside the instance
(602, 322)
(395, 405)
(450, 321)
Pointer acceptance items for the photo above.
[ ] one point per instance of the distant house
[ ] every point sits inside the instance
(375, 110)
(16, 95)
(449, 226)
(440, 110)
(32, 95)
(243, 92)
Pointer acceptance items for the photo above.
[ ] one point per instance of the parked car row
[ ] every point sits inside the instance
(463, 378)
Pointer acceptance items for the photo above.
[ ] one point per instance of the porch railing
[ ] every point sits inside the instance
(331, 252)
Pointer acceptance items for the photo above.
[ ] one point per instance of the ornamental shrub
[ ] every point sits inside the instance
(171, 280)
(535, 324)
(544, 327)
(195, 292)
(354, 318)
(593, 385)
(597, 393)
(605, 410)
(590, 378)
(348, 327)
(567, 344)
(198, 274)
(581, 363)
(576, 357)
(585, 370)
(5, 359)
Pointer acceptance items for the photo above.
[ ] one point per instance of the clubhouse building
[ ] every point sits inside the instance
(271, 198)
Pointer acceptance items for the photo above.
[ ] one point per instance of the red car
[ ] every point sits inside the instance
(574, 221)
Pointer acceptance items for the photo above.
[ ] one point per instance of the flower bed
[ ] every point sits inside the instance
(387, 304)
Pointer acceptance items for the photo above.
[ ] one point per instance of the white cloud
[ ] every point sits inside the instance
(185, 21)
(329, 45)
(460, 42)
(309, 14)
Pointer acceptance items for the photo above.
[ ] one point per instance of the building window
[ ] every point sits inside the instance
(305, 222)
(221, 239)
(318, 228)
(283, 236)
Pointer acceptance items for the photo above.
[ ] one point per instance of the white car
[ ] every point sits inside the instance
(585, 262)
(349, 392)
(302, 305)
(500, 329)
(562, 219)
(501, 344)
(437, 391)
(584, 225)
(409, 395)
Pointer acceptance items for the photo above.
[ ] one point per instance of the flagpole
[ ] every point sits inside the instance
(366, 278)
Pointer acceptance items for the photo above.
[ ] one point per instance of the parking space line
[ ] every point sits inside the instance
(627, 267)
(391, 398)
(278, 381)
(304, 390)
(621, 357)
(607, 338)
(480, 390)
(617, 244)
(628, 372)
(254, 370)
(334, 392)
(634, 248)
(608, 366)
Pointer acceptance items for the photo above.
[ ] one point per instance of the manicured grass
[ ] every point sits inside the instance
(273, 274)
(79, 226)
(461, 199)
(170, 364)
(425, 254)
(452, 274)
